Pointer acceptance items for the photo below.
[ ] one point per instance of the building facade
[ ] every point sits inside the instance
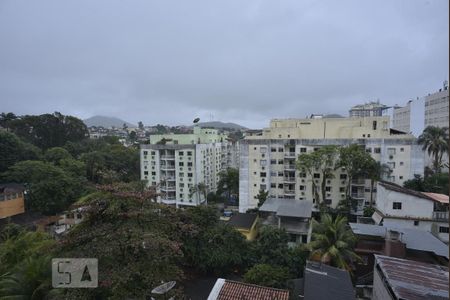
(268, 159)
(401, 119)
(371, 109)
(397, 206)
(177, 163)
(437, 109)
(11, 200)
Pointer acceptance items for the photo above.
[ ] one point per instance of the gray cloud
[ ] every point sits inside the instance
(241, 61)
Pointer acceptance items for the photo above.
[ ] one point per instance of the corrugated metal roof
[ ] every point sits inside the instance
(414, 280)
(424, 195)
(413, 238)
(288, 207)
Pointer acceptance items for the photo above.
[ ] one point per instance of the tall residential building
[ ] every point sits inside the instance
(177, 163)
(401, 119)
(409, 118)
(371, 109)
(436, 108)
(267, 158)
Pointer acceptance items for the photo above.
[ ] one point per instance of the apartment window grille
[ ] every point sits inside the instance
(377, 150)
(262, 174)
(273, 185)
(343, 176)
(280, 149)
(443, 229)
(280, 185)
(180, 153)
(145, 152)
(303, 150)
(145, 172)
(273, 161)
(273, 149)
(316, 175)
(153, 173)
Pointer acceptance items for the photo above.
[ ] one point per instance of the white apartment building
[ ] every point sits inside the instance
(401, 119)
(436, 108)
(267, 158)
(400, 207)
(177, 163)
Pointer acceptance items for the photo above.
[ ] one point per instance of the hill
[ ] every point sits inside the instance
(106, 122)
(222, 125)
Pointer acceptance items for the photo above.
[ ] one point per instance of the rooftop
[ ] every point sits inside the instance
(288, 207)
(232, 290)
(414, 280)
(428, 196)
(243, 221)
(412, 238)
(323, 282)
(11, 188)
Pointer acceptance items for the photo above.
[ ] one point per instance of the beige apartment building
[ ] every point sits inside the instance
(267, 158)
(177, 163)
(436, 108)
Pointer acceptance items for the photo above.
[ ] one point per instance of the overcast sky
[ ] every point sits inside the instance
(235, 61)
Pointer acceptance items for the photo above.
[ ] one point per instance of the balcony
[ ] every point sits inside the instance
(358, 181)
(289, 154)
(440, 216)
(168, 167)
(289, 192)
(358, 195)
(171, 157)
(289, 179)
(170, 188)
(289, 167)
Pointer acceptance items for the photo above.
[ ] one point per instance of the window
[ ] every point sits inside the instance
(273, 185)
(189, 153)
(181, 164)
(262, 174)
(369, 150)
(302, 188)
(263, 149)
(280, 161)
(273, 149)
(254, 148)
(402, 149)
(328, 201)
(145, 172)
(302, 175)
(145, 152)
(391, 151)
(397, 205)
(343, 176)
(263, 162)
(180, 153)
(302, 150)
(316, 175)
(377, 150)
(374, 125)
(189, 164)
(416, 223)
(280, 149)
(280, 185)
(153, 173)
(273, 161)
(443, 229)
(189, 174)
(342, 189)
(273, 173)
(153, 153)
(280, 174)
(328, 188)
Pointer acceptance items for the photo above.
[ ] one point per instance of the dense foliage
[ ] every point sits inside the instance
(435, 141)
(436, 183)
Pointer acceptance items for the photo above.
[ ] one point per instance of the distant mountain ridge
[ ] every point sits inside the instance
(222, 125)
(106, 122)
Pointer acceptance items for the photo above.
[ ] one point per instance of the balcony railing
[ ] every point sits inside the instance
(167, 167)
(357, 195)
(168, 188)
(440, 215)
(289, 179)
(289, 154)
(168, 156)
(358, 181)
(289, 192)
(289, 167)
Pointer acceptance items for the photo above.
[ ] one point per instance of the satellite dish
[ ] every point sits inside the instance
(196, 120)
(164, 288)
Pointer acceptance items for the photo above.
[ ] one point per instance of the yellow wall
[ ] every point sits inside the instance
(12, 207)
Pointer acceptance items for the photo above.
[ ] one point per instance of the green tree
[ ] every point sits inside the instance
(333, 241)
(436, 183)
(435, 141)
(49, 130)
(55, 154)
(267, 275)
(270, 247)
(14, 150)
(355, 160)
(322, 161)
(200, 189)
(376, 171)
(228, 183)
(6, 119)
(262, 197)
(51, 189)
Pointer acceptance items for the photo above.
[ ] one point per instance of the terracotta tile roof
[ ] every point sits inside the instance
(437, 197)
(233, 290)
(429, 196)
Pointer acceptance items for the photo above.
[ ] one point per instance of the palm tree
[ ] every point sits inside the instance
(200, 189)
(332, 242)
(376, 171)
(434, 140)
